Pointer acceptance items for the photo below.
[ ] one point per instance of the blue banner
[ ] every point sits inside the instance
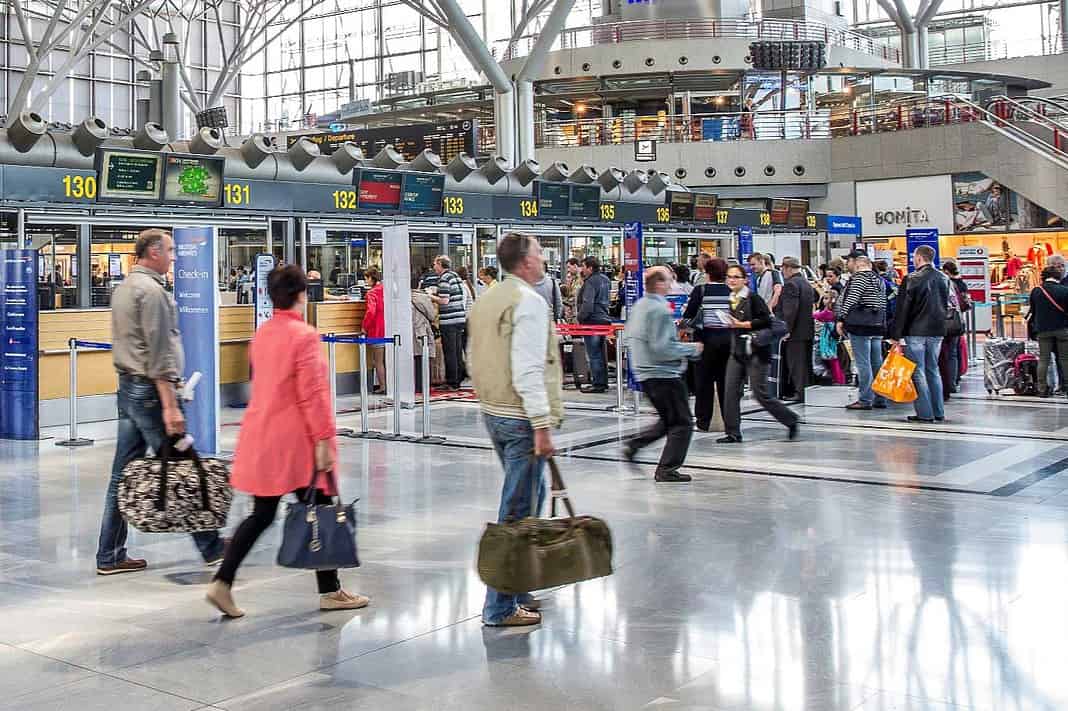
(196, 292)
(634, 285)
(917, 237)
(745, 243)
(18, 382)
(844, 225)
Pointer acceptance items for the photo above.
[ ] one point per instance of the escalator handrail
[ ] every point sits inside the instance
(1004, 124)
(1017, 105)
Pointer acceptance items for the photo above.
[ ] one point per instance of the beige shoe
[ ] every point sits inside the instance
(219, 595)
(342, 600)
(522, 617)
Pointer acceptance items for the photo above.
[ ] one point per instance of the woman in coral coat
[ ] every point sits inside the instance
(288, 434)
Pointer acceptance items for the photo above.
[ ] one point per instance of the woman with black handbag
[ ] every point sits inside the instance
(750, 357)
(288, 437)
(707, 314)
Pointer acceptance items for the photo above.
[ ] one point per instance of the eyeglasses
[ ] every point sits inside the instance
(735, 276)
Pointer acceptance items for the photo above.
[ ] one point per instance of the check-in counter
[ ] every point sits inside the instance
(341, 318)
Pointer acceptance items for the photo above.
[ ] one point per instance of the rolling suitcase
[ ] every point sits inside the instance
(999, 361)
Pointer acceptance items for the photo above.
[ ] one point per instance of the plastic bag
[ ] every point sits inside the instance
(894, 380)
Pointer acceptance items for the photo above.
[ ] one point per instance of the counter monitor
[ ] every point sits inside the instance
(378, 190)
(421, 193)
(193, 180)
(586, 202)
(780, 211)
(681, 205)
(704, 208)
(129, 176)
(554, 199)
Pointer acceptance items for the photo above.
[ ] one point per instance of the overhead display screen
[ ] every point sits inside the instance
(704, 208)
(189, 179)
(797, 213)
(586, 202)
(780, 211)
(446, 139)
(129, 176)
(554, 199)
(681, 205)
(421, 194)
(378, 190)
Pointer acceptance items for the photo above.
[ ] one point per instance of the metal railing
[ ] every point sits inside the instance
(699, 29)
(696, 128)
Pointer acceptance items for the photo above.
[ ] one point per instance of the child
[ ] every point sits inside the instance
(826, 343)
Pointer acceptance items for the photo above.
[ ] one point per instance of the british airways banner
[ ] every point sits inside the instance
(196, 293)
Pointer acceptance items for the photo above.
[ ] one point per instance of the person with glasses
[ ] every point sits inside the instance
(749, 314)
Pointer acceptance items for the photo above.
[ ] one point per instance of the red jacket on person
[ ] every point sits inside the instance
(374, 319)
(289, 411)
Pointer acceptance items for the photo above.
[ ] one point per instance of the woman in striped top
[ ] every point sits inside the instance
(712, 300)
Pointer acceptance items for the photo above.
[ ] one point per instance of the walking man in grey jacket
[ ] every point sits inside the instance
(658, 359)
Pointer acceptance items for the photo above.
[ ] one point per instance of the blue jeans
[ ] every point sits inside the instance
(140, 428)
(514, 442)
(595, 355)
(868, 357)
(924, 351)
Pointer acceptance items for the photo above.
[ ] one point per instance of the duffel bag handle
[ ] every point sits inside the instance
(559, 491)
(166, 455)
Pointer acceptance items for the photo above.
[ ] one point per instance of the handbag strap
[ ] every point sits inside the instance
(309, 493)
(1051, 299)
(166, 452)
(559, 491)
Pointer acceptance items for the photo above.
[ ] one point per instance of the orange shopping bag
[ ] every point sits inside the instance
(894, 381)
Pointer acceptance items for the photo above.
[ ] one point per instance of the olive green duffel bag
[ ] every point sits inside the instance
(539, 553)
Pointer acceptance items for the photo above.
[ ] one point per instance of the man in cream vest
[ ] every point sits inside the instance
(514, 361)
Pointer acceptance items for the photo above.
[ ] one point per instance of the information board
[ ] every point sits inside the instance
(19, 415)
(633, 280)
(448, 140)
(780, 211)
(796, 213)
(263, 304)
(554, 199)
(915, 238)
(681, 205)
(193, 180)
(378, 190)
(196, 293)
(586, 202)
(704, 207)
(129, 176)
(421, 193)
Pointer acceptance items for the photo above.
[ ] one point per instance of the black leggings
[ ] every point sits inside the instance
(263, 513)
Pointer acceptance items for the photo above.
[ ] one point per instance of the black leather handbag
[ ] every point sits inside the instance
(865, 317)
(319, 536)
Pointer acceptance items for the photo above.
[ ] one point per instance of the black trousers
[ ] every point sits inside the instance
(668, 396)
(452, 344)
(711, 381)
(798, 361)
(756, 371)
(263, 512)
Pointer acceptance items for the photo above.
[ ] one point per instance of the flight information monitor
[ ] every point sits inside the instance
(129, 176)
(378, 190)
(704, 208)
(421, 193)
(193, 180)
(780, 211)
(554, 199)
(798, 213)
(681, 205)
(586, 202)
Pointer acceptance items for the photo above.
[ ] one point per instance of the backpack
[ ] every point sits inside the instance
(1025, 370)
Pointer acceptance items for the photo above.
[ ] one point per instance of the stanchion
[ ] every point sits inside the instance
(396, 435)
(331, 356)
(73, 440)
(364, 432)
(973, 338)
(621, 383)
(427, 437)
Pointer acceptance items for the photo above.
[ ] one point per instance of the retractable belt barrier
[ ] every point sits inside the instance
(610, 330)
(332, 340)
(73, 440)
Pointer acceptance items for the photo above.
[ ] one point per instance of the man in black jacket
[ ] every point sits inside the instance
(795, 308)
(921, 323)
(593, 311)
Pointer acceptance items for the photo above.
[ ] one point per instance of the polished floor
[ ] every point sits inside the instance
(871, 566)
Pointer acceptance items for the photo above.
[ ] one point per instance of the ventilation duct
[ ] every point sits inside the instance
(526, 172)
(347, 157)
(88, 136)
(255, 150)
(206, 141)
(388, 158)
(557, 172)
(426, 162)
(302, 153)
(461, 166)
(636, 180)
(585, 174)
(611, 179)
(25, 131)
(658, 182)
(494, 169)
(151, 137)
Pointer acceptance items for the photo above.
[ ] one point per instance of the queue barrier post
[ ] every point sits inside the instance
(396, 435)
(427, 437)
(73, 440)
(365, 432)
(331, 352)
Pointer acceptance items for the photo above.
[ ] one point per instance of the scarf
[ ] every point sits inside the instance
(738, 296)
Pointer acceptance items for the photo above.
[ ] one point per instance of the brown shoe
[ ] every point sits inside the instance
(520, 618)
(342, 600)
(220, 596)
(130, 565)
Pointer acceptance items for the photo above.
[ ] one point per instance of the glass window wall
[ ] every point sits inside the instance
(57, 265)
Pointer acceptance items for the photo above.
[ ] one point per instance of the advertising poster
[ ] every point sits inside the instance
(18, 382)
(916, 238)
(632, 262)
(196, 292)
(264, 307)
(981, 204)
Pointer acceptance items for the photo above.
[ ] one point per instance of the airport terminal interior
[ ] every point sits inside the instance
(878, 555)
